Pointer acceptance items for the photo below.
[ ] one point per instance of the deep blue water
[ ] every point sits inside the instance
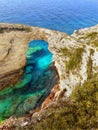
(62, 15)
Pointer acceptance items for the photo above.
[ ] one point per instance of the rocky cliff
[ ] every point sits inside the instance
(75, 56)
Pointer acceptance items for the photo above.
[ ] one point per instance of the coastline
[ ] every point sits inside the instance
(69, 77)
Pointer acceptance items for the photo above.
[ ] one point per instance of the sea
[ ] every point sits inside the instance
(61, 15)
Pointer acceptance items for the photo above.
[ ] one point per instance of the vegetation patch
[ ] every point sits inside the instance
(65, 51)
(75, 59)
(92, 35)
(92, 38)
(28, 29)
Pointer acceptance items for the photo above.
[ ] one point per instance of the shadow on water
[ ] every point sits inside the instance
(34, 86)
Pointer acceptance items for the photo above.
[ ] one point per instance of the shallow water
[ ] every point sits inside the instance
(62, 15)
(34, 85)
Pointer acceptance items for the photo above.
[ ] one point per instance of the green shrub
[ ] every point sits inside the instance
(65, 52)
(75, 59)
(28, 29)
(79, 114)
(93, 38)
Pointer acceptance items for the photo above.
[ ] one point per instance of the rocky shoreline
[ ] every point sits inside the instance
(75, 57)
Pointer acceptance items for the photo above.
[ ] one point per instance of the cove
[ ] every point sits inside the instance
(34, 86)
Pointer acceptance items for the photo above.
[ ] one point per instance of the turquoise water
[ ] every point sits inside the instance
(34, 85)
(62, 15)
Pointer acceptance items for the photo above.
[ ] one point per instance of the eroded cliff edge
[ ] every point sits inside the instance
(75, 56)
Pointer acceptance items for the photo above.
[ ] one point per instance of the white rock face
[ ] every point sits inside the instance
(79, 75)
(95, 61)
(83, 68)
